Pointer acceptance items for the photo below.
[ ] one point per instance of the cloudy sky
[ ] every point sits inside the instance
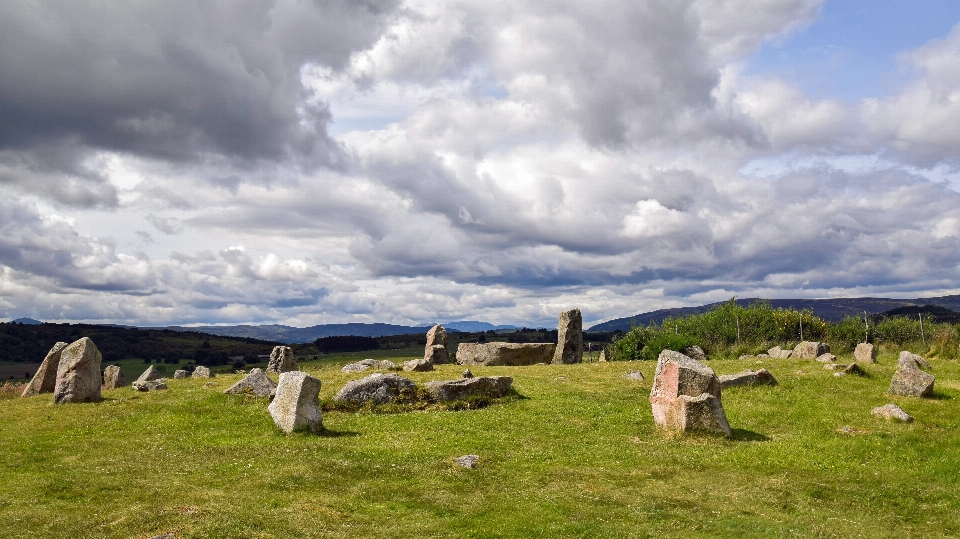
(306, 162)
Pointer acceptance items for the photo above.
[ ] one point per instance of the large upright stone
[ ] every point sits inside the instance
(45, 380)
(152, 373)
(686, 396)
(505, 353)
(436, 355)
(436, 336)
(113, 377)
(281, 360)
(78, 375)
(296, 404)
(569, 338)
(865, 353)
(810, 350)
(256, 383)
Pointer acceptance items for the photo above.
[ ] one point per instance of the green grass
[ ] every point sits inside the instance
(576, 456)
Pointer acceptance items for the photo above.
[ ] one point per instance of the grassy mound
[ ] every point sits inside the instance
(573, 454)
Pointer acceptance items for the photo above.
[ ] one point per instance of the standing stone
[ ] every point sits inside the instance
(281, 360)
(695, 352)
(257, 383)
(603, 356)
(686, 396)
(202, 372)
(437, 336)
(865, 353)
(436, 355)
(911, 382)
(78, 375)
(779, 353)
(113, 377)
(296, 405)
(180, 374)
(45, 380)
(810, 350)
(152, 373)
(569, 338)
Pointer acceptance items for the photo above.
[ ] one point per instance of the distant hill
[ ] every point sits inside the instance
(294, 335)
(27, 321)
(834, 309)
(472, 326)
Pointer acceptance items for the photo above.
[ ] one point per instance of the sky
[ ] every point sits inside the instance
(410, 162)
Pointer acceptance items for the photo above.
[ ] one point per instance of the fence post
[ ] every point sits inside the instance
(801, 325)
(922, 338)
(866, 328)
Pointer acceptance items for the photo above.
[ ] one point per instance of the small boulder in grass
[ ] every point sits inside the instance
(634, 375)
(202, 372)
(256, 383)
(855, 370)
(152, 373)
(827, 358)
(892, 412)
(695, 352)
(468, 461)
(418, 365)
(810, 350)
(180, 374)
(911, 382)
(150, 385)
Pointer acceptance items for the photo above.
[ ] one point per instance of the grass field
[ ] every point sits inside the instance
(576, 455)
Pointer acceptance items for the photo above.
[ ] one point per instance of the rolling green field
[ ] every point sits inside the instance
(574, 454)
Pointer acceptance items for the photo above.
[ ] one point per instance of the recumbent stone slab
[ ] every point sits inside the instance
(377, 388)
(748, 378)
(892, 411)
(488, 386)
(505, 353)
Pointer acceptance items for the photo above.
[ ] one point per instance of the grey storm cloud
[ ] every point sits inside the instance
(175, 81)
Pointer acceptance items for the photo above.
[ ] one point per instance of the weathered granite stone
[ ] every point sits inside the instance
(603, 356)
(505, 353)
(45, 380)
(150, 385)
(296, 404)
(748, 378)
(180, 374)
(908, 359)
(779, 353)
(686, 396)
(281, 360)
(865, 353)
(634, 375)
(366, 364)
(910, 381)
(436, 355)
(418, 365)
(78, 374)
(202, 372)
(746, 356)
(256, 383)
(827, 358)
(810, 350)
(113, 377)
(437, 336)
(854, 369)
(487, 386)
(468, 461)
(152, 373)
(892, 411)
(569, 338)
(695, 352)
(378, 388)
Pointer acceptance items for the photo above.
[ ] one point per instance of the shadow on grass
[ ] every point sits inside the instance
(744, 435)
(937, 396)
(329, 433)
